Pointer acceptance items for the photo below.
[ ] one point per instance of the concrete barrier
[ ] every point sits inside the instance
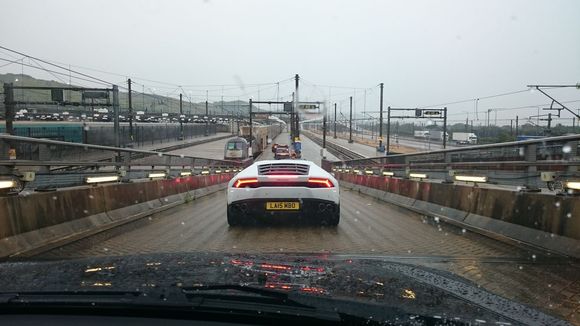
(543, 220)
(42, 221)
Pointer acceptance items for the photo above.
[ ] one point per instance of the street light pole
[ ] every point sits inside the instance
(130, 110)
(381, 119)
(444, 127)
(350, 123)
(334, 120)
(180, 116)
(388, 130)
(250, 146)
(296, 101)
(206, 119)
(324, 130)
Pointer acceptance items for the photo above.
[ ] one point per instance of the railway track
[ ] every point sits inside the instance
(339, 151)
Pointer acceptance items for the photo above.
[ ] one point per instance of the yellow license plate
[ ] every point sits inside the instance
(282, 205)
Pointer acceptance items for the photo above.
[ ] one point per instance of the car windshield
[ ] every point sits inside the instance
(417, 155)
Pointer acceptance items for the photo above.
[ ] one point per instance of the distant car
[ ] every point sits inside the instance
(274, 147)
(268, 189)
(282, 153)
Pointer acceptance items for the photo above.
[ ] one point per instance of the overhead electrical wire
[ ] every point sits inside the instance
(478, 98)
(238, 86)
(57, 72)
(43, 68)
(55, 65)
(12, 62)
(331, 86)
(516, 107)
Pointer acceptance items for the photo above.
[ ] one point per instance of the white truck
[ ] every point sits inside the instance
(465, 138)
(421, 134)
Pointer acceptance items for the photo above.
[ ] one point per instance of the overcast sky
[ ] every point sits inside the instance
(426, 52)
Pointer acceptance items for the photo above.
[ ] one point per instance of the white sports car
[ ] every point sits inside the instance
(272, 190)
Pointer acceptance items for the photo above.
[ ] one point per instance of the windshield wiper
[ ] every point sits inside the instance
(295, 304)
(237, 287)
(266, 301)
(195, 302)
(16, 296)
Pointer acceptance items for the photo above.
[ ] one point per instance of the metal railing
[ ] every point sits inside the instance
(519, 163)
(59, 164)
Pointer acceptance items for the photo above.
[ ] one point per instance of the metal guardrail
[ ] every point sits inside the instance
(528, 163)
(56, 152)
(59, 164)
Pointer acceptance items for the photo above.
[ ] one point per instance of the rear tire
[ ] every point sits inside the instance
(233, 218)
(334, 219)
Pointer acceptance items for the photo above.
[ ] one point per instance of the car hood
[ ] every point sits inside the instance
(374, 280)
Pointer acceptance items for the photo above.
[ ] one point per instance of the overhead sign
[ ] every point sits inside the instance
(431, 113)
(57, 95)
(309, 106)
(288, 107)
(428, 113)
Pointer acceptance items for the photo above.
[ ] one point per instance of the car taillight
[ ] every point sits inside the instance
(320, 183)
(243, 183)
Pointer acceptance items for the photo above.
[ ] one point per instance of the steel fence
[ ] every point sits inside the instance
(512, 163)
